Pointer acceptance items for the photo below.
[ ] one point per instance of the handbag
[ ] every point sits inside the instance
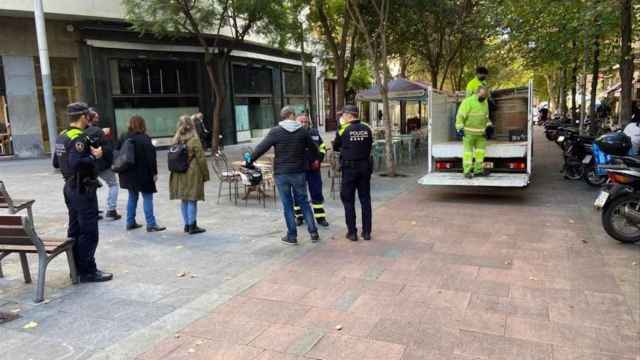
(125, 158)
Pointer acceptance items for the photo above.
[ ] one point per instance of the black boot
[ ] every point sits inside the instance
(323, 222)
(352, 236)
(113, 215)
(187, 228)
(194, 229)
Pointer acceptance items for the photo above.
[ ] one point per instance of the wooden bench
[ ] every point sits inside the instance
(17, 235)
(6, 202)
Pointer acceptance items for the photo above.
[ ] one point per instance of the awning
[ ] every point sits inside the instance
(399, 89)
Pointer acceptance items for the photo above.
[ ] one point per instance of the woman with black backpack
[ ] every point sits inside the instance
(189, 172)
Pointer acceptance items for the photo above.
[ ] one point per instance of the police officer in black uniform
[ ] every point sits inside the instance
(75, 157)
(354, 141)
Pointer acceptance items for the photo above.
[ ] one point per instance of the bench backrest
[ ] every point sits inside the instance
(4, 196)
(17, 230)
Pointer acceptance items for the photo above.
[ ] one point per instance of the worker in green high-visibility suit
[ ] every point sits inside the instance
(472, 122)
(480, 80)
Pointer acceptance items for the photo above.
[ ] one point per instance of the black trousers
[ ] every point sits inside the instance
(356, 176)
(83, 226)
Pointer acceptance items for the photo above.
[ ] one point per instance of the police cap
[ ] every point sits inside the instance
(350, 109)
(77, 108)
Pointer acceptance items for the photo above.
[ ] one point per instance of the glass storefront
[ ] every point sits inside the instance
(158, 90)
(65, 91)
(293, 93)
(5, 129)
(254, 105)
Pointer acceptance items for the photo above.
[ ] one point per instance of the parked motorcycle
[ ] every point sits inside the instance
(604, 149)
(576, 153)
(620, 200)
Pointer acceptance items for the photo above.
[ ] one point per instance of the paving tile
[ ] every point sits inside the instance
(524, 307)
(277, 292)
(273, 355)
(213, 350)
(235, 330)
(484, 322)
(269, 311)
(561, 353)
(339, 347)
(549, 295)
(487, 346)
(278, 337)
(583, 337)
(484, 287)
(421, 336)
(624, 341)
(591, 316)
(327, 320)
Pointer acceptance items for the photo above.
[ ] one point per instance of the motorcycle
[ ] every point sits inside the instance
(603, 149)
(619, 200)
(576, 153)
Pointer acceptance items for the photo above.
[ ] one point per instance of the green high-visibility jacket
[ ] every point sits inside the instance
(473, 116)
(474, 85)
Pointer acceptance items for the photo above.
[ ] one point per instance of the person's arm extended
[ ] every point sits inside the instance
(263, 146)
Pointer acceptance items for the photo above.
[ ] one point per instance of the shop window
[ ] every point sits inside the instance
(293, 83)
(65, 91)
(252, 80)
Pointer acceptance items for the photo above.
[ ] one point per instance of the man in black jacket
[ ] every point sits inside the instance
(290, 140)
(98, 137)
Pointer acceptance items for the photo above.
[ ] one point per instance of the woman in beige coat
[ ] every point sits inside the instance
(189, 186)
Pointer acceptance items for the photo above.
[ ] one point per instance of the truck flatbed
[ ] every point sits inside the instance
(495, 149)
(493, 180)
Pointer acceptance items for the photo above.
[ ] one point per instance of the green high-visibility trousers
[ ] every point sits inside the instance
(474, 149)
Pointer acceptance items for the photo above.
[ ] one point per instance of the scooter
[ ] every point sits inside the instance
(619, 200)
(576, 153)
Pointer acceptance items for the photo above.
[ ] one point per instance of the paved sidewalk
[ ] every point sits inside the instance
(527, 274)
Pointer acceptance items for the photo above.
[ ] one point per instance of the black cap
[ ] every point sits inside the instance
(350, 109)
(77, 108)
(482, 70)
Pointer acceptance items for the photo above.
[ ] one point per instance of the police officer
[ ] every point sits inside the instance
(76, 158)
(313, 175)
(354, 141)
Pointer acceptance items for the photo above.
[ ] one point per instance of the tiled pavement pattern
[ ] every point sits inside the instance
(450, 274)
(522, 275)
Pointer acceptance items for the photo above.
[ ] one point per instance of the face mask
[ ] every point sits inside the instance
(481, 98)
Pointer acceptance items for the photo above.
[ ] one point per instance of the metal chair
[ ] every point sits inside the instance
(226, 175)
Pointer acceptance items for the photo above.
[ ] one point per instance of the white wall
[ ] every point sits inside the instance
(103, 9)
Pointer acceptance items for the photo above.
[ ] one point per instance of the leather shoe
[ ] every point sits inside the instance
(133, 226)
(323, 222)
(156, 228)
(352, 236)
(366, 236)
(194, 229)
(315, 237)
(187, 228)
(289, 241)
(97, 276)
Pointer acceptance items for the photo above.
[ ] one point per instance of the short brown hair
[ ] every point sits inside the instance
(137, 125)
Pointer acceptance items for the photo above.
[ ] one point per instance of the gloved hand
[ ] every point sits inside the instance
(489, 132)
(460, 133)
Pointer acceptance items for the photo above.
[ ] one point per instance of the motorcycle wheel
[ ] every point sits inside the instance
(572, 172)
(551, 135)
(614, 222)
(593, 179)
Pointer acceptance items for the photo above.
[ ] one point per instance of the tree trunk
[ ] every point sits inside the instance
(383, 81)
(434, 77)
(626, 62)
(574, 91)
(595, 71)
(552, 97)
(563, 92)
(217, 100)
(340, 84)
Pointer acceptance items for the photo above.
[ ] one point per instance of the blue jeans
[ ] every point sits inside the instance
(189, 209)
(109, 177)
(292, 186)
(132, 204)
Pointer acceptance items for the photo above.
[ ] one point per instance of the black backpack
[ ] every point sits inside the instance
(178, 158)
(126, 157)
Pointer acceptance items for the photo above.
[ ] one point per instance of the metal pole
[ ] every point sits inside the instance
(45, 69)
(304, 80)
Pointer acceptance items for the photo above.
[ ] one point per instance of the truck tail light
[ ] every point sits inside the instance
(517, 165)
(444, 165)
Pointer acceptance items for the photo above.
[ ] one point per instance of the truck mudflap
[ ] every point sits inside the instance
(493, 180)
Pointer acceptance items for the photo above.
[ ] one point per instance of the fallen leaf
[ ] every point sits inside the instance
(413, 223)
(181, 274)
(30, 325)
(177, 336)
(571, 221)
(533, 278)
(199, 342)
(508, 262)
(191, 350)
(338, 327)
(634, 263)
(585, 241)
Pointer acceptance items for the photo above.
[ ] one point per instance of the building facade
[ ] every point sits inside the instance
(96, 58)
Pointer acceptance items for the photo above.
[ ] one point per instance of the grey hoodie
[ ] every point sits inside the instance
(290, 141)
